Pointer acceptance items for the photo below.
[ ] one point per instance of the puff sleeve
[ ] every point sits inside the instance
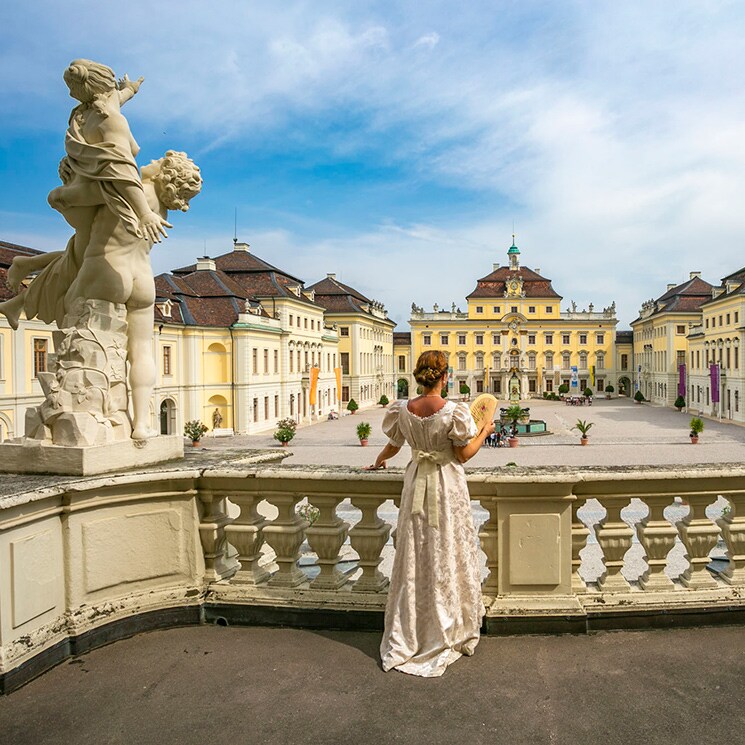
(391, 424)
(463, 428)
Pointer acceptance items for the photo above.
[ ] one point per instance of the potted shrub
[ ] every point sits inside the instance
(195, 430)
(697, 427)
(609, 391)
(384, 400)
(638, 397)
(563, 389)
(285, 431)
(680, 403)
(587, 393)
(583, 427)
(464, 390)
(352, 406)
(363, 432)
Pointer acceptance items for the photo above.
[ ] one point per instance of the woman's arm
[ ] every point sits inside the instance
(387, 452)
(468, 451)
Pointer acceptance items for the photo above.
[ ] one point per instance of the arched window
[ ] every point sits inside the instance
(461, 361)
(583, 360)
(549, 360)
(566, 360)
(496, 360)
(531, 362)
(480, 361)
(600, 361)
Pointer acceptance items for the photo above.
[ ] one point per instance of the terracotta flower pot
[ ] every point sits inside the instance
(694, 439)
(195, 443)
(285, 444)
(363, 443)
(584, 440)
(513, 442)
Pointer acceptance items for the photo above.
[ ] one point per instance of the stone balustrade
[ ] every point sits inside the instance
(563, 549)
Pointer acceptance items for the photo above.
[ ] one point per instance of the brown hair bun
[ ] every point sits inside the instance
(430, 367)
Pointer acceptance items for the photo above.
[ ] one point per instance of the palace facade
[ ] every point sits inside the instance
(239, 344)
(514, 338)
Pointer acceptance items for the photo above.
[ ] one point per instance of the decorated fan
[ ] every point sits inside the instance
(483, 409)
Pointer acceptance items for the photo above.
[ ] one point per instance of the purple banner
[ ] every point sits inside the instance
(714, 372)
(681, 380)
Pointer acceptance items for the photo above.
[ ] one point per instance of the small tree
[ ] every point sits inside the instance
(582, 426)
(697, 426)
(680, 403)
(638, 397)
(352, 405)
(464, 389)
(195, 430)
(444, 391)
(514, 412)
(609, 388)
(587, 393)
(284, 435)
(384, 400)
(563, 389)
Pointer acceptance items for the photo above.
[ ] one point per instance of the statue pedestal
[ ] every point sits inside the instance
(25, 455)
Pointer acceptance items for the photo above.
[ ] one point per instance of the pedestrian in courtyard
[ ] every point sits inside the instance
(434, 608)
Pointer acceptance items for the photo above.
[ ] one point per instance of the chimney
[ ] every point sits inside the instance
(206, 264)
(670, 285)
(537, 270)
(496, 266)
(694, 275)
(330, 275)
(240, 246)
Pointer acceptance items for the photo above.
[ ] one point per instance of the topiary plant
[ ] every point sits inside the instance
(609, 388)
(352, 405)
(587, 393)
(563, 389)
(363, 431)
(680, 403)
(638, 397)
(464, 389)
(697, 426)
(384, 400)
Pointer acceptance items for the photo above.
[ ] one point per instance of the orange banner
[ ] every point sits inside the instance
(313, 385)
(337, 371)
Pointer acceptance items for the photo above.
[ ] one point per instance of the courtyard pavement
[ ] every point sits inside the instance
(623, 433)
(246, 686)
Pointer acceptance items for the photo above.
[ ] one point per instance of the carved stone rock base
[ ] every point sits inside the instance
(24, 455)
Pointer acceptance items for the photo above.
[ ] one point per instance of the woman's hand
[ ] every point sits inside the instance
(133, 85)
(487, 428)
(375, 467)
(153, 227)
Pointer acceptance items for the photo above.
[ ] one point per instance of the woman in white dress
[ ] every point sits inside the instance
(434, 608)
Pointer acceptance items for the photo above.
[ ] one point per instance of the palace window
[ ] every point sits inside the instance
(583, 338)
(480, 340)
(166, 360)
(624, 362)
(600, 338)
(255, 361)
(276, 406)
(531, 309)
(495, 339)
(583, 360)
(266, 407)
(531, 338)
(345, 362)
(513, 309)
(444, 339)
(497, 360)
(344, 331)
(549, 309)
(305, 322)
(462, 340)
(427, 340)
(565, 361)
(276, 361)
(727, 319)
(479, 361)
(292, 363)
(497, 309)
(680, 329)
(479, 308)
(737, 316)
(256, 409)
(549, 338)
(549, 360)
(461, 362)
(291, 319)
(531, 362)
(565, 339)
(40, 356)
(600, 361)
(266, 361)
(402, 363)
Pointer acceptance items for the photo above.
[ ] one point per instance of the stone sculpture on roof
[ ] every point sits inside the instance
(100, 289)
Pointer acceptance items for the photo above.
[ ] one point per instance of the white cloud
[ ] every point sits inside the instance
(430, 40)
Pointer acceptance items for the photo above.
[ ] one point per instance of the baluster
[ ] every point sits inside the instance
(489, 540)
(219, 561)
(285, 535)
(580, 533)
(614, 537)
(246, 533)
(326, 536)
(699, 535)
(657, 535)
(733, 530)
(368, 538)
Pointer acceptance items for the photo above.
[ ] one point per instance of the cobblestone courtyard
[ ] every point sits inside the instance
(624, 433)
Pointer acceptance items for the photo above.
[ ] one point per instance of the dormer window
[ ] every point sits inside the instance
(165, 308)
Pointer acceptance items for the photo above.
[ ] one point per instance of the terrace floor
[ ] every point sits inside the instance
(260, 685)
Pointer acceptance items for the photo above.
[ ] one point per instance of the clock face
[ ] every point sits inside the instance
(513, 325)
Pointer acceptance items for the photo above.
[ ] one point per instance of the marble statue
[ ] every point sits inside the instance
(100, 290)
(216, 419)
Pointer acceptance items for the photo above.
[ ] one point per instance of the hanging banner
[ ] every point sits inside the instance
(337, 372)
(681, 380)
(313, 385)
(574, 380)
(714, 373)
(592, 375)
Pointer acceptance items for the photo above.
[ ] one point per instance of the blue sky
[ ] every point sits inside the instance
(395, 143)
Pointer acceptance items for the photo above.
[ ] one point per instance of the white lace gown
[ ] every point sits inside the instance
(434, 608)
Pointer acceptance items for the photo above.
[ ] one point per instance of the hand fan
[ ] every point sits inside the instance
(483, 409)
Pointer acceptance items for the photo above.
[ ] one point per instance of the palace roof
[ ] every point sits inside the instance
(732, 286)
(494, 285)
(402, 338)
(8, 252)
(336, 297)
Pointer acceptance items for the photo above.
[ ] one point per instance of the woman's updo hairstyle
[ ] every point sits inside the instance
(87, 80)
(430, 367)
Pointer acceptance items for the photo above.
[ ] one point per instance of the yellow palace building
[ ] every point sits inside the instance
(514, 339)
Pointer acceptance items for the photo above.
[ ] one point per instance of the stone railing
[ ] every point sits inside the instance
(563, 549)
